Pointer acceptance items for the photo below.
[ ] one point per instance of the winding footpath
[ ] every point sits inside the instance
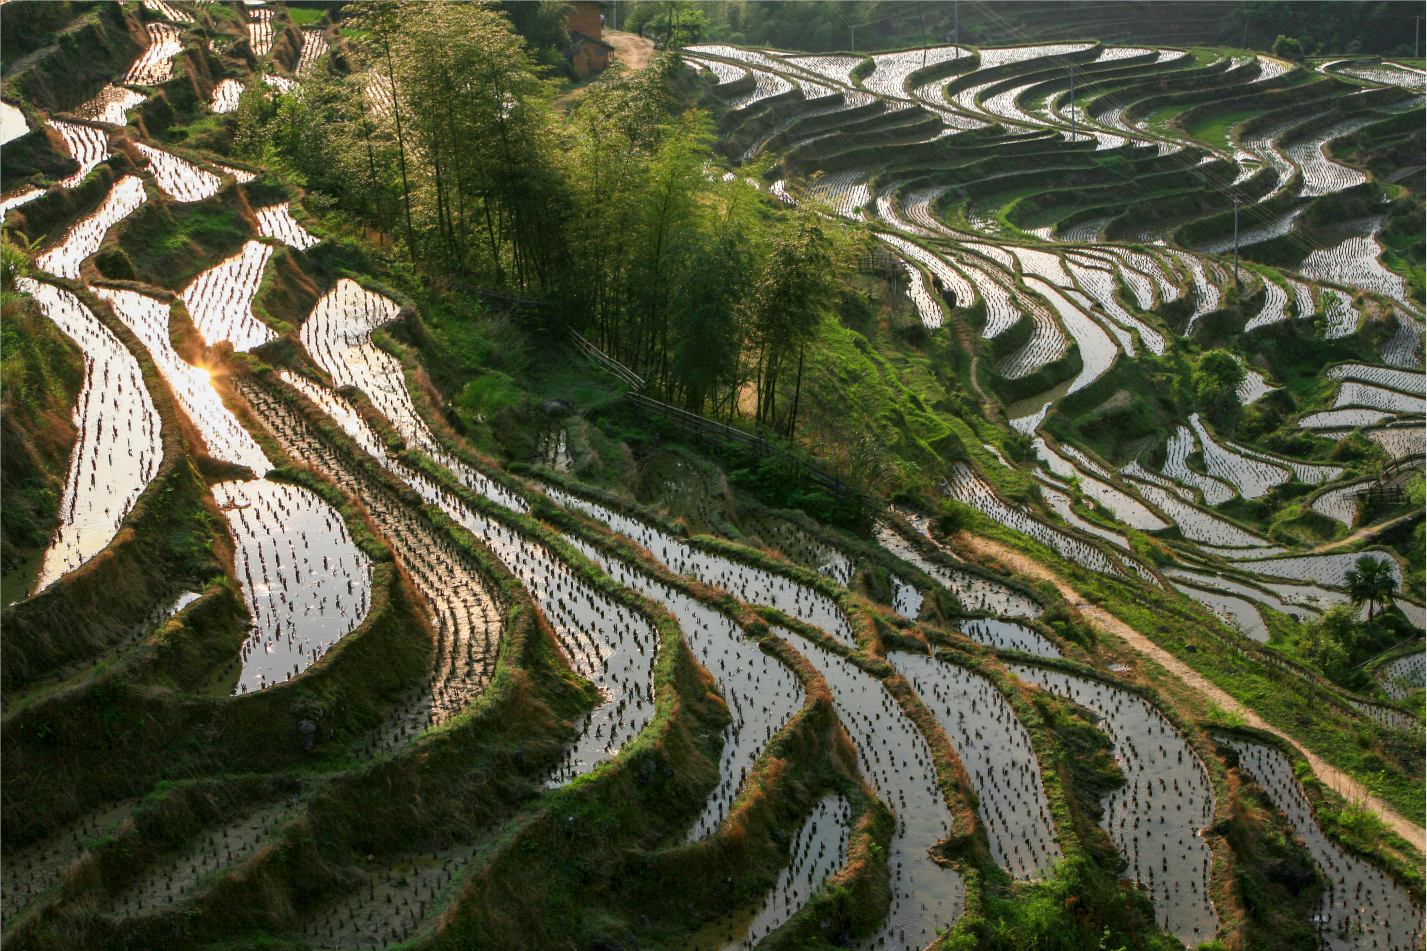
(1340, 781)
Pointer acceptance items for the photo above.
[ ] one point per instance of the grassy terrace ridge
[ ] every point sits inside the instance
(487, 201)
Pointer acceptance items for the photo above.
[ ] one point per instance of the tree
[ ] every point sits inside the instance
(1328, 642)
(1216, 383)
(795, 286)
(1288, 48)
(1373, 581)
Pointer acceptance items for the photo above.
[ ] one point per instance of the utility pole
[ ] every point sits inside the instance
(1245, 44)
(853, 28)
(1416, 33)
(923, 24)
(956, 21)
(1237, 200)
(1073, 136)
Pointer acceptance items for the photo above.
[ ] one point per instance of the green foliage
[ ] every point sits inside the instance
(952, 516)
(1216, 384)
(1288, 48)
(1328, 642)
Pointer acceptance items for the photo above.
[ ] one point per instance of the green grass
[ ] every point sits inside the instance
(305, 17)
(1216, 131)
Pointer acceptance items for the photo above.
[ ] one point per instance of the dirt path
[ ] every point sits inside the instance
(1360, 534)
(1340, 781)
(633, 51)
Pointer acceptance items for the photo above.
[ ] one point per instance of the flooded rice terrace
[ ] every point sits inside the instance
(117, 449)
(1362, 908)
(955, 138)
(1156, 818)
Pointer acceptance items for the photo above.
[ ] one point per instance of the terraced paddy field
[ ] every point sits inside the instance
(754, 498)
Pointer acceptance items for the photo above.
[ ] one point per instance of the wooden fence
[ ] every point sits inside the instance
(702, 429)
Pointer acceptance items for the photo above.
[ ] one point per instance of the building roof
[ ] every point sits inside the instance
(579, 41)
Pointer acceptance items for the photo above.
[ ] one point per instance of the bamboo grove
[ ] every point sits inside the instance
(440, 132)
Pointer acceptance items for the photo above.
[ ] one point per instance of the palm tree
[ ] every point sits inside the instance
(1372, 580)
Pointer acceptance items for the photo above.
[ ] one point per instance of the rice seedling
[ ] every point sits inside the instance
(179, 874)
(974, 592)
(1100, 284)
(1349, 418)
(1156, 818)
(803, 549)
(1406, 381)
(1353, 393)
(1002, 310)
(299, 610)
(1253, 477)
(950, 277)
(178, 178)
(1136, 471)
(748, 583)
(1237, 613)
(1258, 594)
(397, 899)
(467, 619)
(1125, 508)
(1362, 907)
(906, 599)
(155, 66)
(891, 70)
(1177, 451)
(1048, 343)
(766, 86)
(1235, 554)
(966, 486)
(276, 221)
(242, 175)
(1321, 175)
(32, 870)
(24, 196)
(1059, 503)
(1198, 525)
(314, 47)
(896, 761)
(338, 335)
(84, 237)
(1352, 259)
(1324, 569)
(762, 694)
(167, 10)
(996, 751)
(118, 449)
(87, 145)
(1206, 293)
(260, 31)
(1400, 441)
(111, 104)
(1404, 348)
(1402, 677)
(225, 96)
(1389, 74)
(724, 73)
(818, 849)
(837, 68)
(1341, 503)
(846, 192)
(1146, 264)
(220, 299)
(223, 436)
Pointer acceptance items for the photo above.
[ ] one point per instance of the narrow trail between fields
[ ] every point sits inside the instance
(1340, 781)
(1360, 535)
(631, 50)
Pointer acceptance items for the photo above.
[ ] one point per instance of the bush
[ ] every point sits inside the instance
(952, 517)
(1288, 48)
